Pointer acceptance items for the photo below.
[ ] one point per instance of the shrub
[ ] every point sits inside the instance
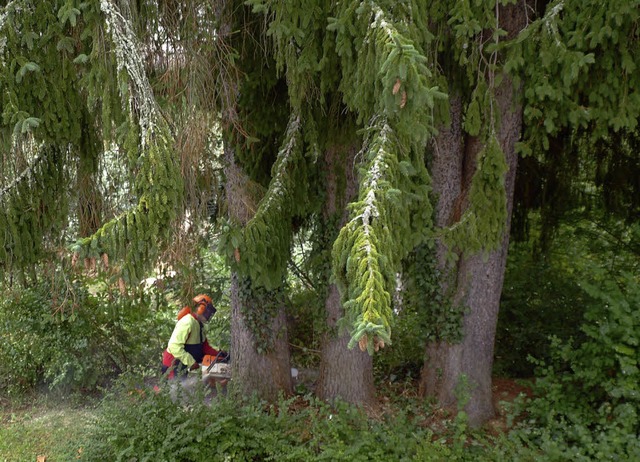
(138, 424)
(589, 395)
(66, 336)
(531, 313)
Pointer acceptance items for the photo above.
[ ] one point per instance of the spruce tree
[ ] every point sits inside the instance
(418, 109)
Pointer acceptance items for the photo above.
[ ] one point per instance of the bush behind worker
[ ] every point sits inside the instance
(188, 343)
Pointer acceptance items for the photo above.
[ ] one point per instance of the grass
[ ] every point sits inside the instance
(44, 429)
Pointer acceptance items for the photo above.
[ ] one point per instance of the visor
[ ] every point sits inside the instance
(209, 311)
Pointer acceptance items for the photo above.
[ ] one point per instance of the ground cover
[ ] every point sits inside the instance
(48, 428)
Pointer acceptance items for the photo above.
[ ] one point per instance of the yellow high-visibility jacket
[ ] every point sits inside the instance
(188, 342)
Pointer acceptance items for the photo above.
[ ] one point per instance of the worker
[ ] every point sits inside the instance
(188, 343)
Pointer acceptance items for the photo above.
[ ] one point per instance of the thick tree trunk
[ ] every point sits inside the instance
(266, 374)
(454, 371)
(344, 373)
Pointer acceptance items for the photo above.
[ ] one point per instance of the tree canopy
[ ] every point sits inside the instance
(156, 84)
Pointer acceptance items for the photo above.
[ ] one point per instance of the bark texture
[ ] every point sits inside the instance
(267, 374)
(344, 373)
(475, 282)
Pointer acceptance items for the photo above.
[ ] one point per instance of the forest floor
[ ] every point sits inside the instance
(505, 391)
(48, 427)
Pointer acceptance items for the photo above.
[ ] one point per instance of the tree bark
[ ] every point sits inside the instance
(266, 374)
(344, 373)
(476, 281)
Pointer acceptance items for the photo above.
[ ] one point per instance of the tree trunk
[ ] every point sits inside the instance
(456, 371)
(269, 373)
(344, 373)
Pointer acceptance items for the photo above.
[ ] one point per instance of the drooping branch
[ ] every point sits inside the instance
(390, 215)
(390, 74)
(128, 57)
(136, 236)
(263, 250)
(24, 175)
(33, 209)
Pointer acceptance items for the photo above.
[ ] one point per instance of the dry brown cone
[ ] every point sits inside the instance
(396, 87)
(105, 260)
(122, 286)
(362, 343)
(236, 254)
(403, 101)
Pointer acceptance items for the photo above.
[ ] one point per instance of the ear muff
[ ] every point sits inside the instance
(204, 307)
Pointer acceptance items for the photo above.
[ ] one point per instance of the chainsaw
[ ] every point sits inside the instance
(214, 369)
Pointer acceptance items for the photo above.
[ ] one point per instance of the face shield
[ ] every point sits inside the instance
(209, 311)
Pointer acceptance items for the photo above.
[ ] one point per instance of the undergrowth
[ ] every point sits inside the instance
(588, 395)
(137, 423)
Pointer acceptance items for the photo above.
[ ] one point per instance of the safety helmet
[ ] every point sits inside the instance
(203, 303)
(202, 298)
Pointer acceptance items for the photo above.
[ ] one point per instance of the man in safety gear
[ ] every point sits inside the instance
(188, 343)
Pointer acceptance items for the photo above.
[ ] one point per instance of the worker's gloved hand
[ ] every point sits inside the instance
(223, 357)
(194, 366)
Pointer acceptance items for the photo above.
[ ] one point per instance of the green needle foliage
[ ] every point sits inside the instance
(56, 61)
(83, 81)
(482, 225)
(134, 236)
(365, 269)
(585, 56)
(266, 238)
(385, 81)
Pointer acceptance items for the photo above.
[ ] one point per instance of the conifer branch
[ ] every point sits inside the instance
(136, 235)
(11, 7)
(482, 226)
(390, 75)
(279, 185)
(369, 248)
(23, 175)
(129, 59)
(267, 236)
